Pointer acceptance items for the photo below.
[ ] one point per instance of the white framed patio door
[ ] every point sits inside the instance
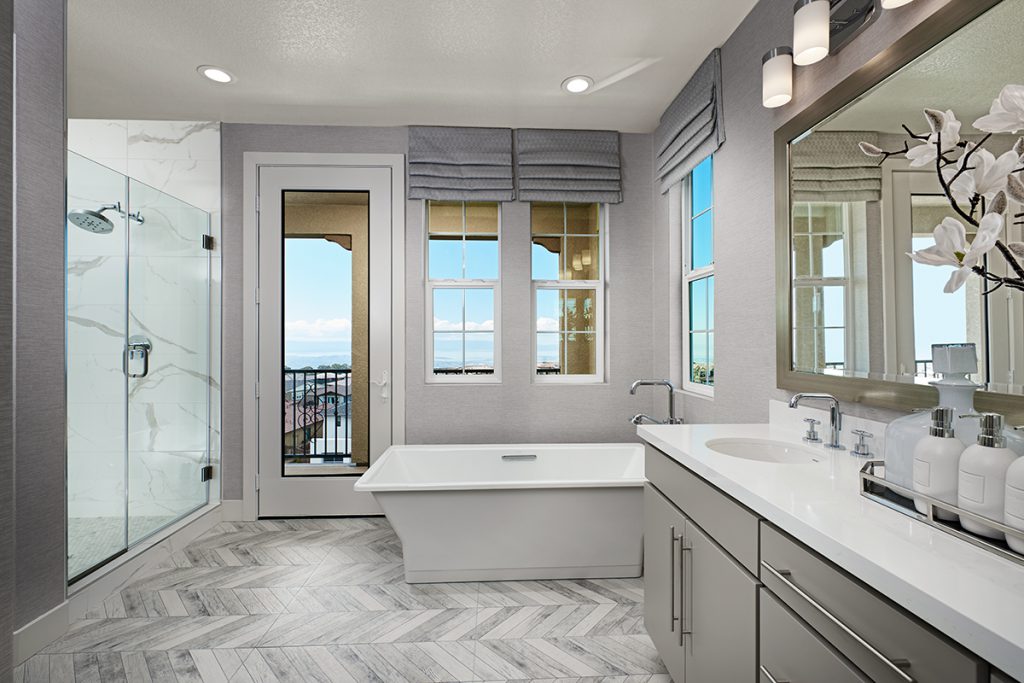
(324, 318)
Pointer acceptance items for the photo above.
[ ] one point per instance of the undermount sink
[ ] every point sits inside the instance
(764, 450)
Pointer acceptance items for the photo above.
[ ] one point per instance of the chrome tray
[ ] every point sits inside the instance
(874, 486)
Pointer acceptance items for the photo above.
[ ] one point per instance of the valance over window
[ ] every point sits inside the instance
(693, 125)
(829, 167)
(568, 165)
(467, 164)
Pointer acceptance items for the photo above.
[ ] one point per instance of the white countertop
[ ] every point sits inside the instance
(971, 595)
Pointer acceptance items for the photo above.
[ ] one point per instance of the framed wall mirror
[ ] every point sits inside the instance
(856, 315)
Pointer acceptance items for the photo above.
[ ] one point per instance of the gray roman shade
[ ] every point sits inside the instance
(460, 163)
(829, 167)
(568, 165)
(693, 125)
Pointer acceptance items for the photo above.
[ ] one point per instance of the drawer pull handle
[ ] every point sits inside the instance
(768, 674)
(685, 579)
(672, 579)
(896, 666)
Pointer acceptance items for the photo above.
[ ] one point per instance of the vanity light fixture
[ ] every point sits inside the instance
(893, 4)
(811, 27)
(576, 85)
(777, 77)
(215, 73)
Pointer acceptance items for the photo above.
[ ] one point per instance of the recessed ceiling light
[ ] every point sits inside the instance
(577, 84)
(215, 74)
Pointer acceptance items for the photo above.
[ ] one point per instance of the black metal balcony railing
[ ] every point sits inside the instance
(922, 367)
(317, 412)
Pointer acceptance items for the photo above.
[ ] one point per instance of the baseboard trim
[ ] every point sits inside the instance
(626, 571)
(233, 511)
(90, 593)
(40, 632)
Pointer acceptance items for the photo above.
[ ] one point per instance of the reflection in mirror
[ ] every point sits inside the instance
(868, 188)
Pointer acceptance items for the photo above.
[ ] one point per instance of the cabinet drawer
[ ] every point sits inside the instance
(879, 638)
(733, 526)
(793, 653)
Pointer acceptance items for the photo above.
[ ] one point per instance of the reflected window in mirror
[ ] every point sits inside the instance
(699, 279)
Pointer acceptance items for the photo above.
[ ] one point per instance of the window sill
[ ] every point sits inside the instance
(704, 394)
(430, 381)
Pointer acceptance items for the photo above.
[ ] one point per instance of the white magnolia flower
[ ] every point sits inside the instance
(940, 123)
(951, 248)
(1007, 112)
(986, 176)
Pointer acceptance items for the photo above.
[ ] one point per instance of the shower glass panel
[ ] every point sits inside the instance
(138, 361)
(97, 398)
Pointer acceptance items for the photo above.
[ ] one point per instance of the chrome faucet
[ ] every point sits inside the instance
(835, 417)
(640, 418)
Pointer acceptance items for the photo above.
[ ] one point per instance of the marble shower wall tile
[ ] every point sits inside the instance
(168, 422)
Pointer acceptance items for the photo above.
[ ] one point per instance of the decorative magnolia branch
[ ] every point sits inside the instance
(976, 183)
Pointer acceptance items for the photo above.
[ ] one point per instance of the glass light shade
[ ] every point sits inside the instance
(811, 32)
(893, 4)
(777, 78)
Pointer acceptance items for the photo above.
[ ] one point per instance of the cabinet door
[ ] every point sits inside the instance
(719, 603)
(663, 528)
(792, 652)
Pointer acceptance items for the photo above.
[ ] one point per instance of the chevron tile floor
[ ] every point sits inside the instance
(326, 600)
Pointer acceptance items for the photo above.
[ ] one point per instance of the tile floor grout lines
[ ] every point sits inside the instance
(326, 600)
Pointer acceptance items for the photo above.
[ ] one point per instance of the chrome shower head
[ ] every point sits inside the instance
(93, 221)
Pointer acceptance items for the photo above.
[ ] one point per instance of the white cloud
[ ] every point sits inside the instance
(321, 329)
(547, 324)
(449, 326)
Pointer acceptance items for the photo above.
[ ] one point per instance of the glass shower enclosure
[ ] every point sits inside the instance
(138, 362)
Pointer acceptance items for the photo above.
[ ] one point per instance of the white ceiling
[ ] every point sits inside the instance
(390, 62)
(964, 73)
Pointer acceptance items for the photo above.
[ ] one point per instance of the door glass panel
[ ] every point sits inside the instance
(325, 407)
(96, 384)
(168, 359)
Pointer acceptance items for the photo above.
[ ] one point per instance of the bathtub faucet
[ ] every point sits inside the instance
(641, 418)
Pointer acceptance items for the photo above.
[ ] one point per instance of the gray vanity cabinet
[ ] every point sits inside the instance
(664, 526)
(700, 604)
(794, 653)
(719, 603)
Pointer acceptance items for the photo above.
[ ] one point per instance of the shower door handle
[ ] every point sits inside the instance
(138, 348)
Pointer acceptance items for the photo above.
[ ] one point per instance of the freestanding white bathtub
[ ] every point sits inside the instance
(493, 513)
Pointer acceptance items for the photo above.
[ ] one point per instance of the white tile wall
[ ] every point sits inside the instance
(167, 409)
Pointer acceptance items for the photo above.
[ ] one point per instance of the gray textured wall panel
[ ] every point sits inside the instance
(6, 350)
(39, 341)
(517, 409)
(744, 202)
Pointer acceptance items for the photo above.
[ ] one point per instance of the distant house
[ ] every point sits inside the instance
(316, 403)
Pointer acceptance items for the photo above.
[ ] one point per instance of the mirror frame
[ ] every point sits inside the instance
(884, 393)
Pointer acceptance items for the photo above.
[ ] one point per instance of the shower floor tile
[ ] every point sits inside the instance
(326, 600)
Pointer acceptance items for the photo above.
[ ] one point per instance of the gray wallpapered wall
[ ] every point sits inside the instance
(39, 343)
(6, 349)
(517, 409)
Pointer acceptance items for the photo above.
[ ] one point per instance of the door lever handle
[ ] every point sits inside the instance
(383, 384)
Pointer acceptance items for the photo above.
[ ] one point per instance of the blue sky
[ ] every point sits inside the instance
(317, 302)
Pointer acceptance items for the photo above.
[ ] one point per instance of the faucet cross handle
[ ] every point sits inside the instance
(861, 448)
(812, 433)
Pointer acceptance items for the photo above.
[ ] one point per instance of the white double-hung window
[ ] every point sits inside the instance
(699, 280)
(463, 291)
(568, 291)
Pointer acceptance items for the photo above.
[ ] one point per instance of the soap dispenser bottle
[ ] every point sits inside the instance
(981, 486)
(937, 463)
(1014, 506)
(955, 362)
